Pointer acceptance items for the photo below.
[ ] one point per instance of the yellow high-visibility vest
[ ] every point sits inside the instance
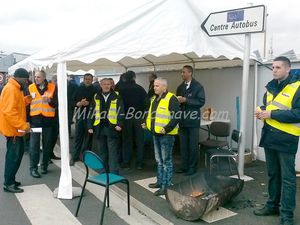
(162, 116)
(37, 105)
(112, 112)
(283, 101)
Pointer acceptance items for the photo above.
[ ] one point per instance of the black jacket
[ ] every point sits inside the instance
(83, 92)
(191, 114)
(134, 96)
(71, 89)
(151, 90)
(273, 138)
(173, 108)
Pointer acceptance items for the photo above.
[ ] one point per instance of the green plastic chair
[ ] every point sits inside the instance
(105, 179)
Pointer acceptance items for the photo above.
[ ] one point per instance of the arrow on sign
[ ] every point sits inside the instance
(235, 21)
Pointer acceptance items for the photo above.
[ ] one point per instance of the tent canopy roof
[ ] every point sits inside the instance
(159, 32)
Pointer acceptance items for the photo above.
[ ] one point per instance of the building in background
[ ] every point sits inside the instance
(8, 60)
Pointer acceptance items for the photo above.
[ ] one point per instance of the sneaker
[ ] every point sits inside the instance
(266, 211)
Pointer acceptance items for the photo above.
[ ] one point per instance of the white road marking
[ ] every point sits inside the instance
(118, 204)
(145, 182)
(40, 206)
(217, 215)
(244, 178)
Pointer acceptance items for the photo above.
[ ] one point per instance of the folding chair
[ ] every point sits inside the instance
(230, 153)
(105, 179)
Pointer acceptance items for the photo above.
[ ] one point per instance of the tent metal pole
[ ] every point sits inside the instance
(154, 67)
(121, 64)
(182, 62)
(191, 60)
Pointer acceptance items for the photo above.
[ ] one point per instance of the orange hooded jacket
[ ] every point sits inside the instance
(12, 110)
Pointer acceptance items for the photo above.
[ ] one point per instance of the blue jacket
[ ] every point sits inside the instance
(195, 100)
(273, 138)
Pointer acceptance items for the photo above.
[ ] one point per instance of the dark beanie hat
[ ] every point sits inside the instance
(21, 73)
(129, 75)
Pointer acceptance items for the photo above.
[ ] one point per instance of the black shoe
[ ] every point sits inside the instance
(161, 191)
(154, 185)
(139, 166)
(17, 183)
(44, 171)
(190, 172)
(55, 157)
(125, 165)
(266, 211)
(13, 189)
(180, 171)
(72, 162)
(35, 174)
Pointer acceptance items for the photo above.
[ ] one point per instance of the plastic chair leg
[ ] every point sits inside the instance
(229, 165)
(103, 207)
(108, 196)
(128, 197)
(78, 206)
(236, 167)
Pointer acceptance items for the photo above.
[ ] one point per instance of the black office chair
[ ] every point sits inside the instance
(219, 129)
(230, 154)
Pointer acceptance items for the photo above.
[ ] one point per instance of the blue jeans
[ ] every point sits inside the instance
(13, 158)
(282, 182)
(163, 146)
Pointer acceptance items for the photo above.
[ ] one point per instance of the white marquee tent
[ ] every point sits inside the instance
(160, 32)
(159, 35)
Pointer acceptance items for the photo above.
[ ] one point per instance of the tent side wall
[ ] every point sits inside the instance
(222, 86)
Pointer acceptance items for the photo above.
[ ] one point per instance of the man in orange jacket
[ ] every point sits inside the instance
(42, 114)
(13, 126)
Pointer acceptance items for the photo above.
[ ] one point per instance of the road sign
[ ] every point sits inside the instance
(235, 21)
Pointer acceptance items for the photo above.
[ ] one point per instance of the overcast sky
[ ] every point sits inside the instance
(31, 25)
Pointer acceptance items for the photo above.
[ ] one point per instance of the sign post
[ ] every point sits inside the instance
(238, 21)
